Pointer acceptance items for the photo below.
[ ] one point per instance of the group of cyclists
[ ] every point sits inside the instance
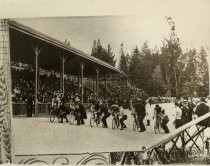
(101, 109)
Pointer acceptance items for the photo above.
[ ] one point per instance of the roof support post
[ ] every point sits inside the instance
(120, 80)
(97, 77)
(37, 51)
(63, 60)
(93, 84)
(78, 81)
(82, 65)
(106, 85)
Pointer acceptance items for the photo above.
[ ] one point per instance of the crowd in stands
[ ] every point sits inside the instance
(49, 83)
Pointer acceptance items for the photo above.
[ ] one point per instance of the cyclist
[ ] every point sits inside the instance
(123, 115)
(62, 109)
(115, 109)
(157, 117)
(105, 112)
(55, 103)
(95, 110)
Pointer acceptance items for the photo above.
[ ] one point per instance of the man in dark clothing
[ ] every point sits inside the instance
(165, 121)
(141, 113)
(201, 110)
(106, 114)
(191, 106)
(185, 112)
(63, 110)
(30, 106)
(80, 112)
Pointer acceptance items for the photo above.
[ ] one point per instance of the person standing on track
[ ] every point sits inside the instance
(141, 113)
(165, 120)
(29, 105)
(202, 109)
(80, 112)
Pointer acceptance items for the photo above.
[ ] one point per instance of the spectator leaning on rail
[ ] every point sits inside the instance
(202, 109)
(178, 115)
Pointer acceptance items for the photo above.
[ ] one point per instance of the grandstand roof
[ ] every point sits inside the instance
(24, 38)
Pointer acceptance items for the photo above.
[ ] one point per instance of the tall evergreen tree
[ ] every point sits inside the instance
(124, 61)
(105, 55)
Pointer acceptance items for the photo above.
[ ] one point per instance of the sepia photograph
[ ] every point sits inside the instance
(105, 82)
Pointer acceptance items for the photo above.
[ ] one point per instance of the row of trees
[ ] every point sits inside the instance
(167, 71)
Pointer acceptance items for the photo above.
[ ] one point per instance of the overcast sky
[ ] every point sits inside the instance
(130, 22)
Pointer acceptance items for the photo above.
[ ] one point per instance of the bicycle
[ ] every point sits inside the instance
(115, 121)
(94, 119)
(73, 117)
(135, 122)
(54, 113)
(157, 124)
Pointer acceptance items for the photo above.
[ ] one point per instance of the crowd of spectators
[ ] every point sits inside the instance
(49, 83)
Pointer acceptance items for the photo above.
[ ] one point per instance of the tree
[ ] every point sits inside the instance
(171, 51)
(105, 55)
(134, 65)
(157, 85)
(124, 61)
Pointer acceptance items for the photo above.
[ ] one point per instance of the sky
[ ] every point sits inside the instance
(115, 22)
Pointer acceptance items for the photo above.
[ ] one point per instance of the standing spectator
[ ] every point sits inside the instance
(141, 113)
(207, 145)
(202, 109)
(80, 112)
(178, 120)
(145, 157)
(185, 111)
(190, 113)
(165, 120)
(29, 105)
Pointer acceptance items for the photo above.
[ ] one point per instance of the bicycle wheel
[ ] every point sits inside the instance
(92, 120)
(59, 118)
(135, 127)
(72, 118)
(52, 115)
(113, 123)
